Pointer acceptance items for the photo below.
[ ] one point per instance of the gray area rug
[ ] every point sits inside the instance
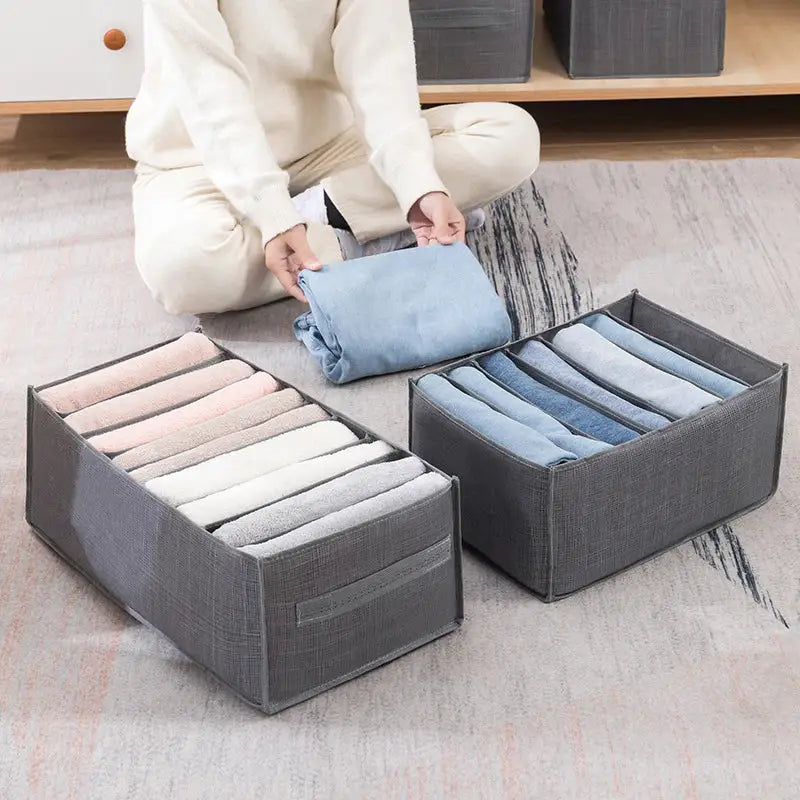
(680, 678)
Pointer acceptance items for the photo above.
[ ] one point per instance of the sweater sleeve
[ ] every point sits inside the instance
(373, 52)
(214, 97)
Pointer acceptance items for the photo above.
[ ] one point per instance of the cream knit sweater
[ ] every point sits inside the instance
(246, 87)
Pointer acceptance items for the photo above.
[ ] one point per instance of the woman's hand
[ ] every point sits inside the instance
(286, 254)
(435, 219)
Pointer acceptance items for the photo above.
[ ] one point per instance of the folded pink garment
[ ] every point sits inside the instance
(261, 410)
(212, 405)
(159, 396)
(189, 350)
(297, 418)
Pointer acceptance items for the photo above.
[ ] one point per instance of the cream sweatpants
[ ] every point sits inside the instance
(197, 254)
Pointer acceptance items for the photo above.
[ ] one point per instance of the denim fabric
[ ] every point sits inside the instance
(399, 310)
(562, 407)
(651, 351)
(630, 374)
(474, 382)
(541, 357)
(496, 427)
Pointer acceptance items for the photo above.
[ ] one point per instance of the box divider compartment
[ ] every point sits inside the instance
(159, 582)
(588, 519)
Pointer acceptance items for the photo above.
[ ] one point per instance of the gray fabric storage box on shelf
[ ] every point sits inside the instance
(558, 530)
(276, 629)
(473, 41)
(637, 38)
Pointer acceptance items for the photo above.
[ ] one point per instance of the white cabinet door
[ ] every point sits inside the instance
(54, 49)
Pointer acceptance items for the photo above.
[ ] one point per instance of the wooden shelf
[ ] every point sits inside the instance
(762, 57)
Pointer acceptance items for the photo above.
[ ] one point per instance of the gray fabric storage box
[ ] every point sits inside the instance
(473, 41)
(637, 38)
(276, 629)
(558, 530)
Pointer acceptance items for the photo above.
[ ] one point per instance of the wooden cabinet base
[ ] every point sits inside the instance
(762, 46)
(65, 106)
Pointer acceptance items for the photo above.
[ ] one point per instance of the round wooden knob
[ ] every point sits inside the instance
(114, 39)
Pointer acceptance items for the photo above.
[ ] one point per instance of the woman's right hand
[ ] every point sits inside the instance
(286, 254)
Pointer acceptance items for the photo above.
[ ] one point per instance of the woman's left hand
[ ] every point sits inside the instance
(434, 219)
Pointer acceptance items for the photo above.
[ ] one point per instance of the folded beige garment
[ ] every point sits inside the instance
(212, 405)
(261, 410)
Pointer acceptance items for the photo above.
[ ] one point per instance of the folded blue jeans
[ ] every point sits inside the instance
(618, 368)
(474, 382)
(399, 310)
(639, 345)
(541, 357)
(561, 406)
(515, 437)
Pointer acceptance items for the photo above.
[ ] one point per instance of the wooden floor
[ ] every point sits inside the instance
(644, 129)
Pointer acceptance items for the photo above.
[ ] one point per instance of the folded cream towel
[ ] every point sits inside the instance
(274, 486)
(159, 396)
(261, 410)
(212, 405)
(250, 462)
(297, 418)
(191, 349)
(409, 494)
(300, 509)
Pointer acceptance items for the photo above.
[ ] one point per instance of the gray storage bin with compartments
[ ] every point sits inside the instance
(276, 629)
(559, 529)
(473, 41)
(630, 38)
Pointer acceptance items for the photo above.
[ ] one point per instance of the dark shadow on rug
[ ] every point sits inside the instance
(536, 272)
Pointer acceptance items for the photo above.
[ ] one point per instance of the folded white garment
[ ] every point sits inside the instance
(296, 418)
(273, 486)
(334, 495)
(257, 459)
(405, 496)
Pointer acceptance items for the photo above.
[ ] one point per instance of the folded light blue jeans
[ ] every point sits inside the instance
(399, 310)
(474, 382)
(626, 372)
(515, 437)
(559, 405)
(639, 345)
(541, 357)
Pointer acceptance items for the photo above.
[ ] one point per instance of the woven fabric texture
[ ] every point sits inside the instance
(473, 40)
(625, 38)
(558, 530)
(275, 630)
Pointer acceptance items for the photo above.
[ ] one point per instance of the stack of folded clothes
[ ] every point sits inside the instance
(596, 384)
(399, 310)
(253, 462)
